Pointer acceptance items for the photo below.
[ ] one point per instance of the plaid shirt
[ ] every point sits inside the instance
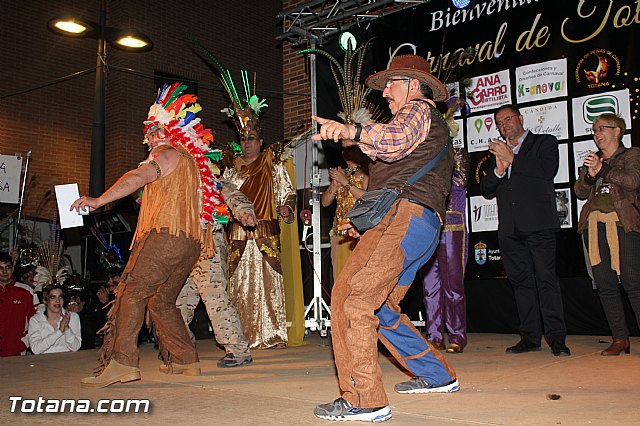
(398, 138)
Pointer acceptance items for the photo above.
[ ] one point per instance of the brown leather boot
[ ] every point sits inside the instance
(192, 369)
(617, 346)
(438, 345)
(454, 348)
(113, 373)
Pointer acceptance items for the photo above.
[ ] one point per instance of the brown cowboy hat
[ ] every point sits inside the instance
(413, 66)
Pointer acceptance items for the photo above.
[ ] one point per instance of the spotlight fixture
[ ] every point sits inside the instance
(461, 4)
(346, 39)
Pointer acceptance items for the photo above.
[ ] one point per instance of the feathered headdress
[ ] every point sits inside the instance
(354, 95)
(245, 112)
(48, 271)
(175, 114)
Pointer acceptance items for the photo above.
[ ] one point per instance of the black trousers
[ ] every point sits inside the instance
(606, 279)
(530, 262)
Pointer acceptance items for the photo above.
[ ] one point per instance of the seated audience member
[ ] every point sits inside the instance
(100, 307)
(104, 296)
(54, 329)
(27, 275)
(16, 307)
(79, 302)
(610, 224)
(25, 279)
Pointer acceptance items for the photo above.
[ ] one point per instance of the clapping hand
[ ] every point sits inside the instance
(64, 323)
(339, 176)
(593, 162)
(103, 295)
(503, 154)
(73, 307)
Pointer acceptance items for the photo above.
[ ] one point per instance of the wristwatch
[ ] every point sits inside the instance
(358, 127)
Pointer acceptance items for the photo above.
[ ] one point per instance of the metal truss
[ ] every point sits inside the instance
(319, 19)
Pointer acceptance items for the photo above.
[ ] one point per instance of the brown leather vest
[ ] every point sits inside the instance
(433, 188)
(172, 202)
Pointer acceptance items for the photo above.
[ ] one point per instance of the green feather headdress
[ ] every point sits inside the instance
(244, 111)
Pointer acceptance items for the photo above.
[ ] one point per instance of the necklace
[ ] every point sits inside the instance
(352, 170)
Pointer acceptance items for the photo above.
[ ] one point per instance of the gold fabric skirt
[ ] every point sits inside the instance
(257, 291)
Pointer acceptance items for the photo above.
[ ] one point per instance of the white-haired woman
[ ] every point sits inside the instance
(610, 181)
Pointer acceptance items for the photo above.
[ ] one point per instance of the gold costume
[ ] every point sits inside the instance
(256, 281)
(342, 244)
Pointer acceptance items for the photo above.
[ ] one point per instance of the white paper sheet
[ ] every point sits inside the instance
(66, 195)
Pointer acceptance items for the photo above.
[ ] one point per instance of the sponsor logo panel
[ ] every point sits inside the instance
(541, 81)
(489, 91)
(587, 108)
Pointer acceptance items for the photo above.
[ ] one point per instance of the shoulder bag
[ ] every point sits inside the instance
(372, 206)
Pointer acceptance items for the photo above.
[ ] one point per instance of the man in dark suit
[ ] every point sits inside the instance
(521, 177)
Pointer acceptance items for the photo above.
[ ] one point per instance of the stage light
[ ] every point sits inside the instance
(461, 4)
(346, 39)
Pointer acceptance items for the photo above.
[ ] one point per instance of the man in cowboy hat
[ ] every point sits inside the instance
(366, 296)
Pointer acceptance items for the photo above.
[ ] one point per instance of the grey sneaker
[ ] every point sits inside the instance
(419, 385)
(342, 410)
(230, 360)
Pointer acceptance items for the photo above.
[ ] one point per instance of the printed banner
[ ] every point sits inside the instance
(480, 129)
(484, 214)
(551, 119)
(489, 91)
(563, 169)
(579, 205)
(541, 81)
(587, 108)
(458, 140)
(10, 171)
(484, 256)
(563, 206)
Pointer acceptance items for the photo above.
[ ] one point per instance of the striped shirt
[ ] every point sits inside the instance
(400, 137)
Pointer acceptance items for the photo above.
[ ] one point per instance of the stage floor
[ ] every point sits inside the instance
(282, 387)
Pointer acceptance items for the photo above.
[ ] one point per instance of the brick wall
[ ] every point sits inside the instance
(296, 83)
(55, 121)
